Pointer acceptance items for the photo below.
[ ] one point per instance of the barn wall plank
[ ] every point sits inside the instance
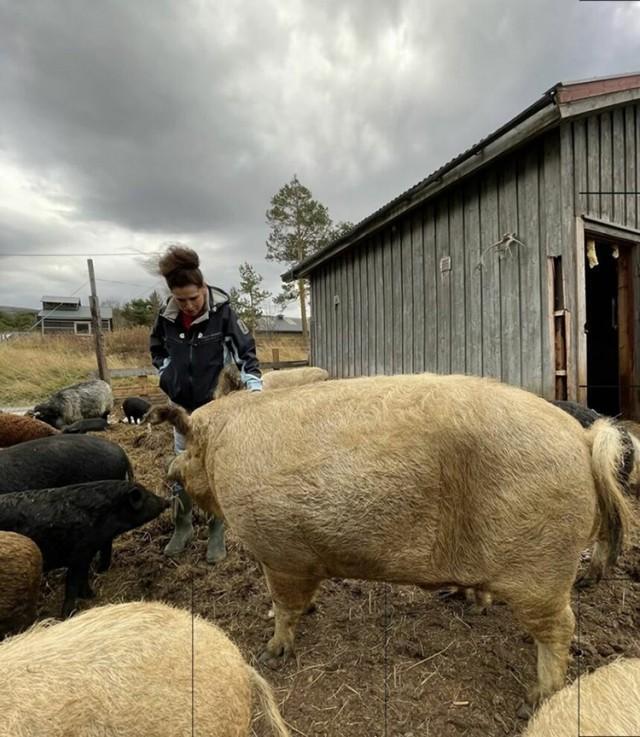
(491, 327)
(606, 167)
(458, 297)
(593, 166)
(530, 270)
(509, 268)
(418, 291)
(431, 297)
(473, 279)
(397, 288)
(380, 307)
(443, 286)
(408, 328)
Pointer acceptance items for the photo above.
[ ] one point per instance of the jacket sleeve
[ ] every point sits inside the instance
(156, 345)
(242, 347)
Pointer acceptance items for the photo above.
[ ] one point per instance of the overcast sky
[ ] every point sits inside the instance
(126, 125)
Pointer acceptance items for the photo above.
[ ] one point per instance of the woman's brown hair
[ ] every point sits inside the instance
(179, 266)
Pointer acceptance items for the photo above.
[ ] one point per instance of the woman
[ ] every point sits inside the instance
(195, 335)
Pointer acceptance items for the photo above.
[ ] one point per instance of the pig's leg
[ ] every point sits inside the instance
(596, 569)
(551, 623)
(77, 586)
(291, 598)
(81, 571)
(104, 557)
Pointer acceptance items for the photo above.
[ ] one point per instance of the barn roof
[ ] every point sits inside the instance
(564, 100)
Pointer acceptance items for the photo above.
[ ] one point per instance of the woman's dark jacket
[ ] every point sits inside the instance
(190, 361)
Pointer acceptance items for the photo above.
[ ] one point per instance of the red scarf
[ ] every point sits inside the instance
(186, 320)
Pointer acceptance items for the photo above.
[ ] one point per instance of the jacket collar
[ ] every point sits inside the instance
(214, 299)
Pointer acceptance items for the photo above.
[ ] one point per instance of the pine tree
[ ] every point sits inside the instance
(299, 227)
(247, 299)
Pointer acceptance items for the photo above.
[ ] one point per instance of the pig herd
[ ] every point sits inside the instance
(437, 481)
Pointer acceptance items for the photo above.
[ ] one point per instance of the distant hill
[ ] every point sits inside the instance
(18, 310)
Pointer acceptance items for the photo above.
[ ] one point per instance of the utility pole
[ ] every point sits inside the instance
(96, 323)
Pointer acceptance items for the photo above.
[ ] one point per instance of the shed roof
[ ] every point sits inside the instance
(564, 100)
(82, 313)
(61, 300)
(279, 324)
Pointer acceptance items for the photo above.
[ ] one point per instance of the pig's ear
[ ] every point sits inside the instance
(135, 498)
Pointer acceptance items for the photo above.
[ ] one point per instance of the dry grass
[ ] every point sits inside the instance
(33, 367)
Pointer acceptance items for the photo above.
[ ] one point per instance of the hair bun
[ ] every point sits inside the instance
(178, 257)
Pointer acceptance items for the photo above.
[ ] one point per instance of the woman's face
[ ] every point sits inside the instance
(191, 299)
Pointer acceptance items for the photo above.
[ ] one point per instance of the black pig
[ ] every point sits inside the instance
(71, 523)
(60, 460)
(135, 408)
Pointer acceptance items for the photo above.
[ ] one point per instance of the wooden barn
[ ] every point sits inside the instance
(518, 259)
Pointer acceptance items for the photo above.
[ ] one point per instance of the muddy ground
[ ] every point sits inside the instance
(375, 660)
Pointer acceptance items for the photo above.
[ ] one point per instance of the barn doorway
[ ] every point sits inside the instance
(609, 327)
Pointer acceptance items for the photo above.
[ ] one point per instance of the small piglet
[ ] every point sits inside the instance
(71, 523)
(135, 408)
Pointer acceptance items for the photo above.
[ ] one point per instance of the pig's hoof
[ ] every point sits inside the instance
(275, 654)
(68, 609)
(450, 593)
(525, 711)
(535, 696)
(585, 582)
(271, 661)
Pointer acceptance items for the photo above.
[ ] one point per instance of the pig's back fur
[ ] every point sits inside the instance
(422, 478)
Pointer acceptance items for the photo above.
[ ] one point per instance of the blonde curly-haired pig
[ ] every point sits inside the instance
(127, 670)
(609, 705)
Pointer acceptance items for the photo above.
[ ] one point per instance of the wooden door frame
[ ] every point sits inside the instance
(588, 227)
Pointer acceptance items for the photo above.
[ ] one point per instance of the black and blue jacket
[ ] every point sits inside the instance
(190, 361)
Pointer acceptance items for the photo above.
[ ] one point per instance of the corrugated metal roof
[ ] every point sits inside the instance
(82, 313)
(568, 91)
(62, 300)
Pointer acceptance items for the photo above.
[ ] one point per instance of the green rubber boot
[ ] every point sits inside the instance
(216, 550)
(183, 533)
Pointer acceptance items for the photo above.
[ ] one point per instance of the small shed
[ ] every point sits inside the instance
(518, 259)
(68, 315)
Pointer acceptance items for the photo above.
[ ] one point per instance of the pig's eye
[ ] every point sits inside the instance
(135, 499)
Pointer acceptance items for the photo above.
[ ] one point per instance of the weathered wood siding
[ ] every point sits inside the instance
(387, 307)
